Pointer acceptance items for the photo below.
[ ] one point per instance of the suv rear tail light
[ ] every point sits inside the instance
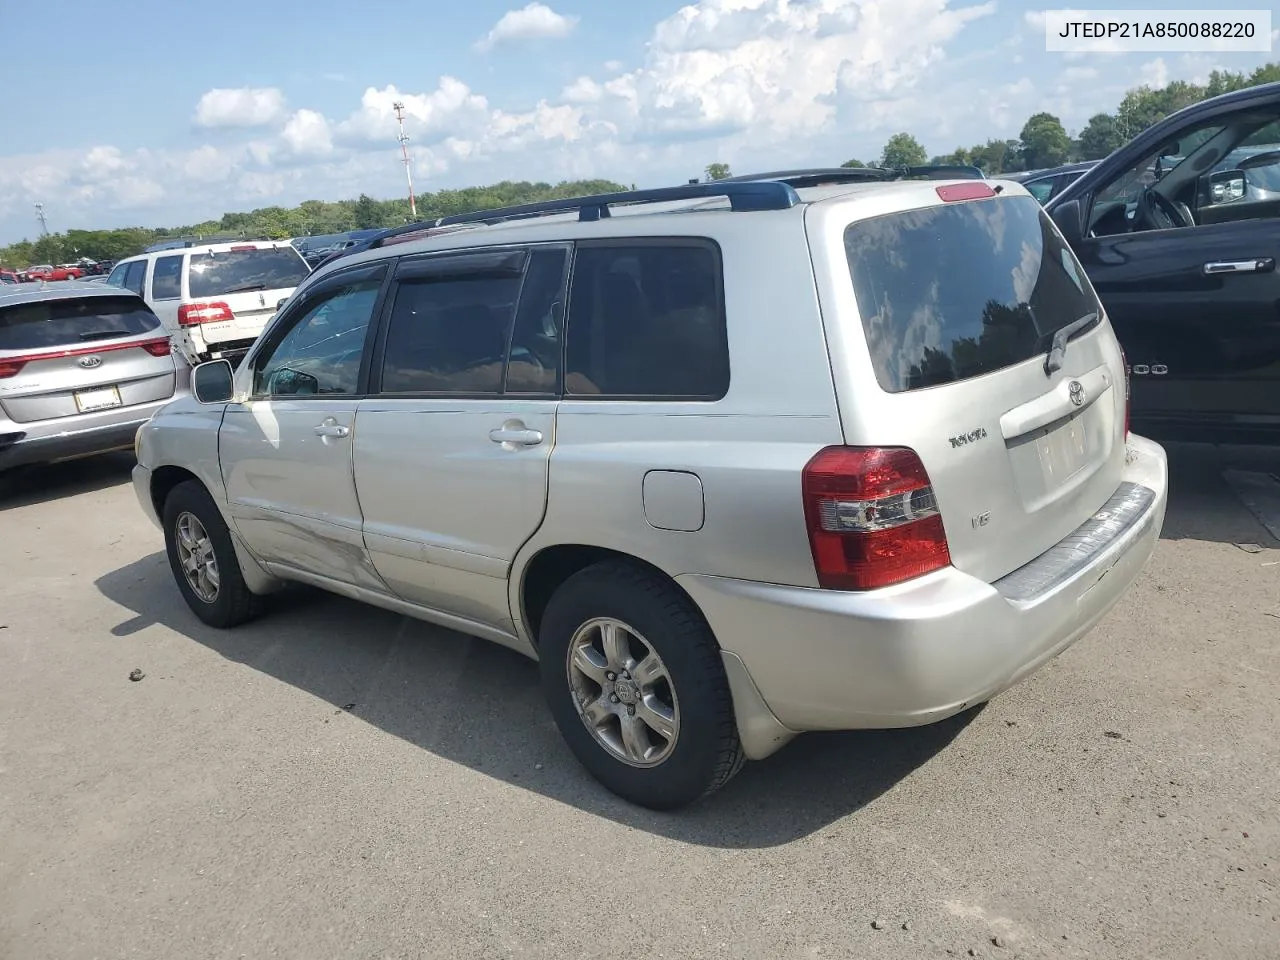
(194, 314)
(12, 366)
(158, 348)
(872, 516)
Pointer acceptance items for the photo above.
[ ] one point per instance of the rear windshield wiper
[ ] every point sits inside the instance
(247, 288)
(103, 334)
(1058, 350)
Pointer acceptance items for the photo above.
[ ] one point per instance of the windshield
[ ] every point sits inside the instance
(232, 271)
(959, 290)
(57, 323)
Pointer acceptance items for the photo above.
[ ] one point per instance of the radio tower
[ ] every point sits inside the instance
(44, 226)
(404, 152)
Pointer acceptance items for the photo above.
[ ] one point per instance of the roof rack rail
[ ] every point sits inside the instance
(821, 176)
(742, 196)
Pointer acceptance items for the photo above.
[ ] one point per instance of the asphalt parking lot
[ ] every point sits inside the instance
(335, 781)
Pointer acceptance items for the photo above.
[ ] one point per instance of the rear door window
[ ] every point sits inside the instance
(959, 290)
(449, 336)
(166, 278)
(245, 271)
(73, 322)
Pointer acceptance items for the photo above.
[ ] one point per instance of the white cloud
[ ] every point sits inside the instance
(449, 110)
(535, 21)
(242, 107)
(307, 133)
(760, 84)
(583, 90)
(1155, 73)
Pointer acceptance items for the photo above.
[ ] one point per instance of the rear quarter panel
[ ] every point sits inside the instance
(747, 449)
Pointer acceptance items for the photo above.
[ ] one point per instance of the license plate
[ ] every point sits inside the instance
(1064, 451)
(101, 399)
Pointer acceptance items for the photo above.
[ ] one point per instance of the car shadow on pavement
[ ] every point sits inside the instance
(480, 705)
(1202, 504)
(27, 486)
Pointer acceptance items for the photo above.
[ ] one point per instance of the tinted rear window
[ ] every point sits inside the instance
(245, 271)
(959, 290)
(61, 323)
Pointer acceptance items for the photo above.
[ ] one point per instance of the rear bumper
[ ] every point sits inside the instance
(17, 449)
(925, 650)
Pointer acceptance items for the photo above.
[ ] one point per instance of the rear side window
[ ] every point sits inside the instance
(646, 320)
(244, 271)
(963, 289)
(60, 323)
(166, 279)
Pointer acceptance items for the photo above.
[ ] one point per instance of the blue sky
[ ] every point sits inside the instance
(163, 113)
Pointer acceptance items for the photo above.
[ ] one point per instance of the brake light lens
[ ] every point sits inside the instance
(11, 368)
(872, 517)
(951, 192)
(194, 314)
(158, 348)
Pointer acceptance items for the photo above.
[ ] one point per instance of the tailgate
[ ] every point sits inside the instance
(245, 281)
(77, 355)
(957, 305)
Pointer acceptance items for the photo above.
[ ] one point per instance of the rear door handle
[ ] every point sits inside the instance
(331, 428)
(1256, 265)
(518, 436)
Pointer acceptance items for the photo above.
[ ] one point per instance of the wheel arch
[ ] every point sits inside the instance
(166, 478)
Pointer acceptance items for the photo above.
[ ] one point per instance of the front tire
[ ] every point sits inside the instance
(634, 680)
(203, 559)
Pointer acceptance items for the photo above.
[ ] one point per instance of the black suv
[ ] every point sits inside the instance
(1179, 231)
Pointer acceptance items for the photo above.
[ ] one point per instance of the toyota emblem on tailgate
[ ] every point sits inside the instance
(90, 361)
(1076, 390)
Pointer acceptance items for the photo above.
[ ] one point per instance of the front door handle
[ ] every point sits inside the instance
(1256, 265)
(331, 428)
(516, 435)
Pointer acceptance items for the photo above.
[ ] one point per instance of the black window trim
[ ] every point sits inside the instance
(679, 240)
(182, 268)
(285, 323)
(480, 262)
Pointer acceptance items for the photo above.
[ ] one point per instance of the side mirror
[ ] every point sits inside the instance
(281, 302)
(1227, 186)
(213, 382)
(1068, 219)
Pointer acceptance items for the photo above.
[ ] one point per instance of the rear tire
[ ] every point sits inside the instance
(203, 558)
(635, 682)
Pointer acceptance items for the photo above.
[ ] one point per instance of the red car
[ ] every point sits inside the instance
(48, 272)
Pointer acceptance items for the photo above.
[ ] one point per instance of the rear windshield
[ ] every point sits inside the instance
(958, 290)
(62, 323)
(244, 271)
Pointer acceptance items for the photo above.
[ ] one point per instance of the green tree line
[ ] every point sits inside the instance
(309, 218)
(1044, 142)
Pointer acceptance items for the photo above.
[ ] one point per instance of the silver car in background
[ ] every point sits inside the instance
(82, 366)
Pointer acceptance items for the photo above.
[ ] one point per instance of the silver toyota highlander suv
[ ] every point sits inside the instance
(732, 461)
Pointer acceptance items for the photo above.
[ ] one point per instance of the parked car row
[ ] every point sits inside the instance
(49, 272)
